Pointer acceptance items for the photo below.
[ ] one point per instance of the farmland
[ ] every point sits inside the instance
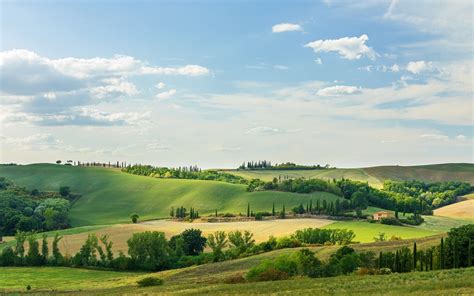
(375, 176)
(110, 196)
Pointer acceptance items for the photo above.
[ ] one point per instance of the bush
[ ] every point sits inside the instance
(272, 274)
(391, 221)
(279, 268)
(259, 216)
(234, 279)
(287, 242)
(149, 282)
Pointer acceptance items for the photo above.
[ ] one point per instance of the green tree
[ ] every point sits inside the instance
(33, 257)
(241, 241)
(57, 256)
(134, 217)
(217, 242)
(148, 250)
(64, 191)
(44, 248)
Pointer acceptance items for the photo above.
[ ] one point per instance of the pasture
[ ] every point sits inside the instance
(110, 196)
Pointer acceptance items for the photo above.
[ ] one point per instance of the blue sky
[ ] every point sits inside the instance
(215, 84)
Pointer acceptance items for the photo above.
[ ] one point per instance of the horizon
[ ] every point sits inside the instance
(351, 85)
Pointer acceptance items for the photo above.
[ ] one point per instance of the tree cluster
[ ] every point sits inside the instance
(191, 172)
(25, 210)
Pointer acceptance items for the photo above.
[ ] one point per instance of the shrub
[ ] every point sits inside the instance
(149, 282)
(385, 271)
(234, 279)
(272, 274)
(287, 242)
(279, 268)
(390, 221)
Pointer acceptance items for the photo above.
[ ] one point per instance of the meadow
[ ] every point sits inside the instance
(375, 176)
(110, 196)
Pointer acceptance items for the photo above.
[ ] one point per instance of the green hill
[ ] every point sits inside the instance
(110, 196)
(375, 175)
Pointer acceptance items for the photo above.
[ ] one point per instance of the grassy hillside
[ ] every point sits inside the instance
(208, 279)
(460, 210)
(376, 175)
(110, 196)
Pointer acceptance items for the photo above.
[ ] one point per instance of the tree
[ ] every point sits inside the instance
(148, 250)
(282, 213)
(57, 256)
(380, 237)
(172, 212)
(58, 161)
(134, 217)
(273, 210)
(194, 243)
(33, 258)
(248, 209)
(64, 191)
(241, 241)
(414, 256)
(217, 242)
(44, 248)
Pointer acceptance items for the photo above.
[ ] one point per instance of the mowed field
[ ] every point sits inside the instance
(110, 196)
(460, 210)
(375, 176)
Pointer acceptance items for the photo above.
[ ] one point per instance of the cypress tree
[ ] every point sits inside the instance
(248, 209)
(273, 210)
(414, 256)
(441, 254)
(380, 260)
(397, 262)
(469, 256)
(216, 212)
(44, 248)
(455, 254)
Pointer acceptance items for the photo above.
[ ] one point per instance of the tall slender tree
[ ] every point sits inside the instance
(414, 256)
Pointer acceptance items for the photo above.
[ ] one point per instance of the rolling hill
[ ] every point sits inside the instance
(375, 175)
(110, 196)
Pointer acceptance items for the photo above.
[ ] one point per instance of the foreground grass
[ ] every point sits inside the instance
(59, 278)
(86, 282)
(110, 196)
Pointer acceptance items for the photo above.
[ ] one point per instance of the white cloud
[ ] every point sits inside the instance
(348, 47)
(166, 94)
(395, 68)
(266, 130)
(188, 70)
(419, 67)
(338, 90)
(34, 142)
(286, 27)
(227, 149)
(160, 85)
(318, 61)
(280, 67)
(157, 147)
(461, 137)
(434, 136)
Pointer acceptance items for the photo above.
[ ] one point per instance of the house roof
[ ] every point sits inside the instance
(383, 212)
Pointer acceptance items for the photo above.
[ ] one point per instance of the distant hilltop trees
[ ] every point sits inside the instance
(117, 164)
(267, 165)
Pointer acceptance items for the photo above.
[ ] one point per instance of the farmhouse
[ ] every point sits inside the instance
(382, 214)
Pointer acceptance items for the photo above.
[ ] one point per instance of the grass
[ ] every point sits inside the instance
(442, 224)
(58, 278)
(365, 231)
(460, 210)
(375, 176)
(110, 196)
(89, 282)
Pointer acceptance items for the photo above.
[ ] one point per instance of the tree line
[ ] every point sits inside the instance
(191, 172)
(267, 165)
(152, 251)
(453, 252)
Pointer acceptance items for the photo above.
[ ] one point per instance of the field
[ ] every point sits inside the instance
(365, 232)
(110, 196)
(375, 176)
(460, 210)
(207, 280)
(262, 230)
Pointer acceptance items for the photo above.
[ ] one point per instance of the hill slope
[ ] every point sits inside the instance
(110, 196)
(375, 175)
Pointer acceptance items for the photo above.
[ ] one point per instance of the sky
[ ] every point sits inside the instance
(214, 83)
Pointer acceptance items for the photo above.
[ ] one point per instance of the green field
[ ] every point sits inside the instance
(375, 175)
(89, 282)
(110, 196)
